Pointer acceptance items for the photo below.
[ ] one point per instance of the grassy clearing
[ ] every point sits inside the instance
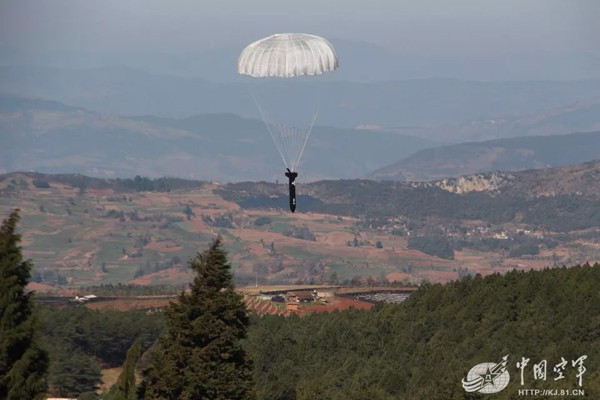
(109, 378)
(299, 253)
(111, 251)
(120, 273)
(79, 274)
(185, 226)
(233, 244)
(343, 270)
(53, 242)
(279, 226)
(349, 270)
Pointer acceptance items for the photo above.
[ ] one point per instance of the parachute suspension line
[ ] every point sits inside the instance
(294, 133)
(285, 137)
(293, 139)
(269, 128)
(290, 140)
(306, 139)
(292, 136)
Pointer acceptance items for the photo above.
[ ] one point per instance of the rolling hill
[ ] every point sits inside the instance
(83, 231)
(580, 116)
(51, 137)
(534, 195)
(494, 155)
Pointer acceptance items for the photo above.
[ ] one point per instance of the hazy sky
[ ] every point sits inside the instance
(465, 28)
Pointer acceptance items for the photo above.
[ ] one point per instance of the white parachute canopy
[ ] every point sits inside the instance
(287, 55)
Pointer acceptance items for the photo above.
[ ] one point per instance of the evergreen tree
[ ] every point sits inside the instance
(23, 363)
(125, 387)
(200, 356)
(74, 373)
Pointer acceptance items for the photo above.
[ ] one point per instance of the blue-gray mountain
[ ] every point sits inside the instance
(494, 155)
(50, 137)
(410, 106)
(581, 116)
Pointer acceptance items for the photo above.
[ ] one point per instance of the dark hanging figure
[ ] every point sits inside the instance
(292, 177)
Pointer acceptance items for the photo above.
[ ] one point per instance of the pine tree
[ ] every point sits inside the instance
(200, 356)
(23, 363)
(125, 386)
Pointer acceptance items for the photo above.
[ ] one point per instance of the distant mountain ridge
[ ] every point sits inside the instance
(10, 103)
(494, 155)
(50, 137)
(581, 116)
(419, 104)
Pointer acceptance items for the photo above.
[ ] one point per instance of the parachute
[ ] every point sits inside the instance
(286, 56)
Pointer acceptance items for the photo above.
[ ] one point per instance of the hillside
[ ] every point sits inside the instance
(550, 315)
(511, 154)
(578, 179)
(82, 231)
(580, 116)
(575, 179)
(51, 137)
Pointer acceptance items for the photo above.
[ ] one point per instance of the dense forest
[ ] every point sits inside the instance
(418, 349)
(425, 346)
(81, 341)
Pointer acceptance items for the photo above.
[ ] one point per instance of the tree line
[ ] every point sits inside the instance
(207, 346)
